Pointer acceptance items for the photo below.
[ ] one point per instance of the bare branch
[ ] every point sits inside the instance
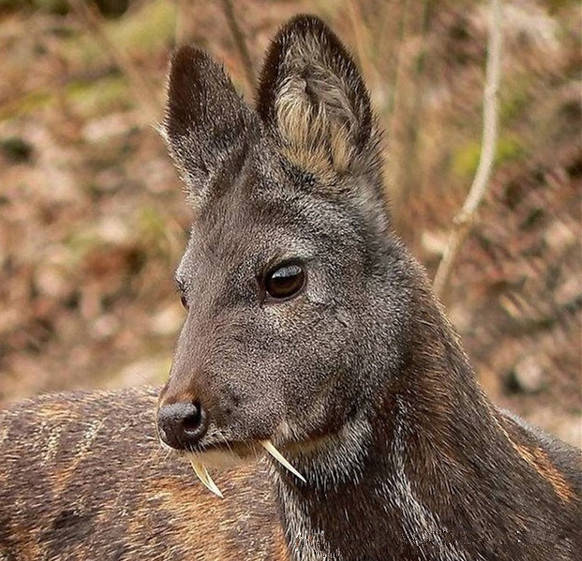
(142, 89)
(397, 68)
(240, 42)
(362, 40)
(182, 19)
(466, 218)
(407, 178)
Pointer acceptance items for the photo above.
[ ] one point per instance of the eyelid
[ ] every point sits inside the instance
(282, 261)
(285, 266)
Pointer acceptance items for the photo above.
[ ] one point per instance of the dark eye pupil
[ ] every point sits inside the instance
(285, 281)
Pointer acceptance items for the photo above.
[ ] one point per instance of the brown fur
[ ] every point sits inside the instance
(113, 486)
(539, 460)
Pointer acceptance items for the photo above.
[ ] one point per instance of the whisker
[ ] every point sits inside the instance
(228, 445)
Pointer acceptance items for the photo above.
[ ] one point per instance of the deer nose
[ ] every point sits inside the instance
(181, 425)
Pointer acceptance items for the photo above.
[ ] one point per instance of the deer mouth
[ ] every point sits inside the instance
(224, 454)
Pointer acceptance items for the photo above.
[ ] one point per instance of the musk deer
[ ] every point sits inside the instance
(310, 330)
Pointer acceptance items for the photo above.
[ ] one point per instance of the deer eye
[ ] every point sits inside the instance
(181, 288)
(284, 281)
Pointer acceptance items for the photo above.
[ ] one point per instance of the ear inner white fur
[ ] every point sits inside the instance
(270, 448)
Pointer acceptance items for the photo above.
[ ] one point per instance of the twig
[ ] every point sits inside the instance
(408, 174)
(142, 89)
(520, 327)
(362, 39)
(186, 23)
(239, 40)
(465, 220)
(397, 69)
(181, 33)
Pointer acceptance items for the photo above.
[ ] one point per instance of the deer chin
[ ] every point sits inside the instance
(219, 457)
(226, 455)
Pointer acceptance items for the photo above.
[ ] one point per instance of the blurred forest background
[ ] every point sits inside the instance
(92, 217)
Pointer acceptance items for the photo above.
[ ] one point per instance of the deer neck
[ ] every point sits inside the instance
(394, 483)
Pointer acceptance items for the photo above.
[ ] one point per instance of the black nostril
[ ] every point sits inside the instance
(192, 420)
(182, 425)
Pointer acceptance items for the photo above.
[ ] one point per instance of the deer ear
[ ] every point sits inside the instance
(313, 98)
(207, 126)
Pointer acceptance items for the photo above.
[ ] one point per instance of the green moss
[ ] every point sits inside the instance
(52, 6)
(144, 31)
(556, 5)
(152, 225)
(514, 104)
(509, 149)
(100, 96)
(87, 98)
(25, 104)
(80, 243)
(466, 159)
(148, 29)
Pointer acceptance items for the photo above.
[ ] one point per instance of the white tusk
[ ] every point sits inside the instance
(202, 474)
(211, 485)
(270, 448)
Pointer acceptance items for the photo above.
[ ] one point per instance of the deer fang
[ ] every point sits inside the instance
(270, 448)
(202, 474)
